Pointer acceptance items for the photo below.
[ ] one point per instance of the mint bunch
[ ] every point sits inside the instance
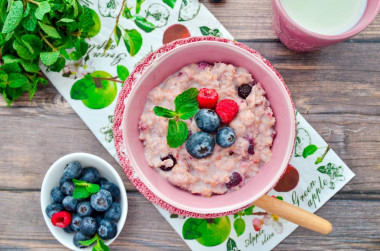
(186, 106)
(34, 31)
(84, 189)
(100, 246)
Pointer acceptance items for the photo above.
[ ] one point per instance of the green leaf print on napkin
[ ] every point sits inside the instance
(206, 31)
(239, 226)
(231, 245)
(108, 8)
(309, 150)
(143, 24)
(303, 139)
(122, 72)
(170, 3)
(133, 41)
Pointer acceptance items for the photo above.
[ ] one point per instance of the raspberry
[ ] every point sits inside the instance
(207, 98)
(61, 219)
(227, 110)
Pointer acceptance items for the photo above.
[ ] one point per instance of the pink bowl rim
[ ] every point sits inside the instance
(141, 67)
(343, 36)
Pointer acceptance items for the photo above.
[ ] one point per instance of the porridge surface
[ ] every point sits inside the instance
(253, 125)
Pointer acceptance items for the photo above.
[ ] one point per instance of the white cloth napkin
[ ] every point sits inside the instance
(249, 230)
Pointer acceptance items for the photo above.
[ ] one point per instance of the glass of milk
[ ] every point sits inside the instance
(307, 25)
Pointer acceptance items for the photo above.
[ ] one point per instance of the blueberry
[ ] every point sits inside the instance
(98, 219)
(225, 137)
(90, 175)
(53, 208)
(101, 201)
(88, 226)
(113, 213)
(207, 120)
(75, 223)
(235, 180)
(200, 145)
(70, 204)
(56, 194)
(244, 90)
(102, 180)
(73, 170)
(63, 180)
(67, 188)
(80, 237)
(107, 229)
(113, 189)
(168, 168)
(84, 208)
(68, 229)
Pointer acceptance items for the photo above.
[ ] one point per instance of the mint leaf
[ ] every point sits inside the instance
(239, 226)
(309, 150)
(170, 3)
(30, 21)
(10, 59)
(80, 192)
(163, 112)
(59, 65)
(50, 30)
(49, 58)
(143, 24)
(81, 46)
(11, 68)
(3, 79)
(79, 182)
(122, 72)
(187, 111)
(177, 133)
(65, 20)
(92, 188)
(17, 80)
(30, 66)
(43, 8)
(22, 50)
(14, 16)
(133, 41)
(193, 228)
(186, 97)
(102, 246)
(89, 242)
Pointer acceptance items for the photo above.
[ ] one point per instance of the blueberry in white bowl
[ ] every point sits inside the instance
(66, 195)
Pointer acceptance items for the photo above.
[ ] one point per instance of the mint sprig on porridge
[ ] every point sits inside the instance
(186, 106)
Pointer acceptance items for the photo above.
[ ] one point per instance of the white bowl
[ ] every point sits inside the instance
(52, 178)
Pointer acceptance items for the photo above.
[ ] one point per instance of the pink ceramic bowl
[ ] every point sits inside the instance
(152, 71)
(297, 38)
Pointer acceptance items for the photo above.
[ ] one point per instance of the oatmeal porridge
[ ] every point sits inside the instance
(226, 145)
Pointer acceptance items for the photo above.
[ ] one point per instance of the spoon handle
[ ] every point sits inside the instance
(294, 214)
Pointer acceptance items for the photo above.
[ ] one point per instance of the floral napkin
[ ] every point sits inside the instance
(125, 36)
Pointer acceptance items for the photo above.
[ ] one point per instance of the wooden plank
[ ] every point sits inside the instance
(337, 92)
(253, 20)
(25, 228)
(145, 229)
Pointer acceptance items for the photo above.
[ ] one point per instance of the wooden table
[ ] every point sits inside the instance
(337, 89)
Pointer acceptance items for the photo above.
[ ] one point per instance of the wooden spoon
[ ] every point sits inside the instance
(294, 214)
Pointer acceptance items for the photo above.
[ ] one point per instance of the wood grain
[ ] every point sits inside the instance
(356, 225)
(252, 20)
(337, 89)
